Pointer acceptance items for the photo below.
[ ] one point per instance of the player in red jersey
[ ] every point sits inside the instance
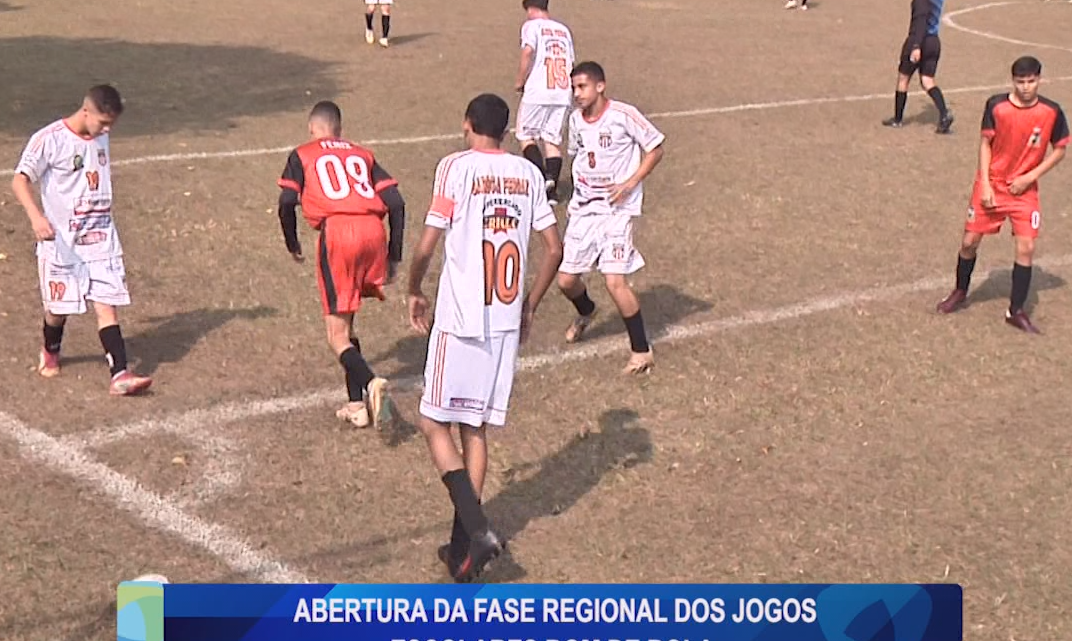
(345, 195)
(1017, 128)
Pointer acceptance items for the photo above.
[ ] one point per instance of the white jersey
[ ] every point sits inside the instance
(606, 151)
(549, 79)
(76, 193)
(488, 202)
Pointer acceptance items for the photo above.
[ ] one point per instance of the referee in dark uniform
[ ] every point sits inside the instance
(920, 52)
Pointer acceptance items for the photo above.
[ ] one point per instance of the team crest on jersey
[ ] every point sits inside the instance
(501, 215)
(1036, 137)
(604, 139)
(102, 156)
(78, 162)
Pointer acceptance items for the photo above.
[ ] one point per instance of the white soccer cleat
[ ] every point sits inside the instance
(370, 36)
(792, 4)
(640, 362)
(578, 327)
(378, 406)
(355, 413)
(384, 42)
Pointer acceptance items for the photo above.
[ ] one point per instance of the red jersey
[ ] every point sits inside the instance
(336, 177)
(1019, 136)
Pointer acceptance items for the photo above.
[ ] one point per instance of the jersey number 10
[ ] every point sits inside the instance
(338, 179)
(502, 272)
(557, 74)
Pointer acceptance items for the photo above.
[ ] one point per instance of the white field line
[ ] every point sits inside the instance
(948, 19)
(149, 506)
(213, 417)
(689, 113)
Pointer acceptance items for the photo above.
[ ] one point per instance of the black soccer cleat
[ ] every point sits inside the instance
(944, 124)
(893, 122)
(483, 549)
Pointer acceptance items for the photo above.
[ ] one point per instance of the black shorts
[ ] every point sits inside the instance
(930, 52)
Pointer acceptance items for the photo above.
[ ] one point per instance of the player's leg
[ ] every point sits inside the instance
(928, 68)
(475, 456)
(385, 22)
(529, 125)
(618, 259)
(980, 222)
(905, 69)
(62, 293)
(1026, 221)
(108, 292)
(370, 15)
(551, 136)
(580, 252)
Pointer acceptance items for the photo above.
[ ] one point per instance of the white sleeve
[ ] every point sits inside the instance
(441, 211)
(36, 156)
(642, 131)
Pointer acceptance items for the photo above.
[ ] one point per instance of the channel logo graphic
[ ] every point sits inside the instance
(139, 606)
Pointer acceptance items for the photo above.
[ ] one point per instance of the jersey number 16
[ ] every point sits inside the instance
(502, 272)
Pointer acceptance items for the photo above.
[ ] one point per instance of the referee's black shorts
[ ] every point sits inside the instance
(930, 52)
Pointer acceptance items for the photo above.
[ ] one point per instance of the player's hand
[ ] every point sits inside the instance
(418, 313)
(1019, 184)
(528, 315)
(915, 55)
(618, 193)
(986, 197)
(297, 256)
(43, 229)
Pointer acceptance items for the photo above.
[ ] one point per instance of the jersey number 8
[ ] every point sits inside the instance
(502, 272)
(338, 181)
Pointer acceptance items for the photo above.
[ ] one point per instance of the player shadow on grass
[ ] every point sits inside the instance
(563, 478)
(406, 38)
(998, 284)
(167, 87)
(662, 306)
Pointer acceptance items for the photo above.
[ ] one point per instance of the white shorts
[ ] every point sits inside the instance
(540, 122)
(600, 240)
(66, 288)
(376, 2)
(468, 380)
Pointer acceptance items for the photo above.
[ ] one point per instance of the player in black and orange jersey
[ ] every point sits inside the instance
(1017, 129)
(345, 195)
(920, 52)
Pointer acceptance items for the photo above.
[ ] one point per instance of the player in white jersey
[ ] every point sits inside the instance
(485, 205)
(79, 254)
(385, 21)
(543, 81)
(614, 148)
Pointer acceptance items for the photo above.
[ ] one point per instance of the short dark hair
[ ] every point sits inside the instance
(328, 112)
(591, 69)
(106, 99)
(1026, 66)
(488, 115)
(534, 4)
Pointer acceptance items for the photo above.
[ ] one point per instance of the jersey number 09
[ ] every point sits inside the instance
(338, 179)
(502, 272)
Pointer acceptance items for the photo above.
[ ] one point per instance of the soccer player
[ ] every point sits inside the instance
(79, 256)
(614, 148)
(1017, 128)
(385, 21)
(544, 84)
(485, 204)
(920, 52)
(345, 194)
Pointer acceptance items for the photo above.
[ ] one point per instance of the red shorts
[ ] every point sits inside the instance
(1022, 210)
(351, 262)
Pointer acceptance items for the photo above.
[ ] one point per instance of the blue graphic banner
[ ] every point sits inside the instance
(692, 612)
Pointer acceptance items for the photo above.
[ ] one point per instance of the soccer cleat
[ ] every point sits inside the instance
(1020, 321)
(128, 384)
(483, 549)
(944, 124)
(354, 412)
(378, 404)
(953, 302)
(446, 559)
(577, 328)
(893, 122)
(552, 192)
(640, 362)
(384, 42)
(370, 36)
(49, 364)
(792, 4)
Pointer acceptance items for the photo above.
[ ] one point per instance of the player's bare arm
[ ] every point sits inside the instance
(418, 268)
(552, 258)
(288, 220)
(987, 190)
(1020, 184)
(527, 55)
(22, 187)
(650, 160)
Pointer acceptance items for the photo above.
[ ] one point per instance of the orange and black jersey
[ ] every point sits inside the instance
(1019, 136)
(336, 177)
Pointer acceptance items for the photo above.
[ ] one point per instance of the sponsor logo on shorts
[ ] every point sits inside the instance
(466, 404)
(971, 214)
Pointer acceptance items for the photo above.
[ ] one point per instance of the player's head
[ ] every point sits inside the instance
(589, 83)
(101, 107)
(1026, 72)
(487, 115)
(534, 6)
(325, 120)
